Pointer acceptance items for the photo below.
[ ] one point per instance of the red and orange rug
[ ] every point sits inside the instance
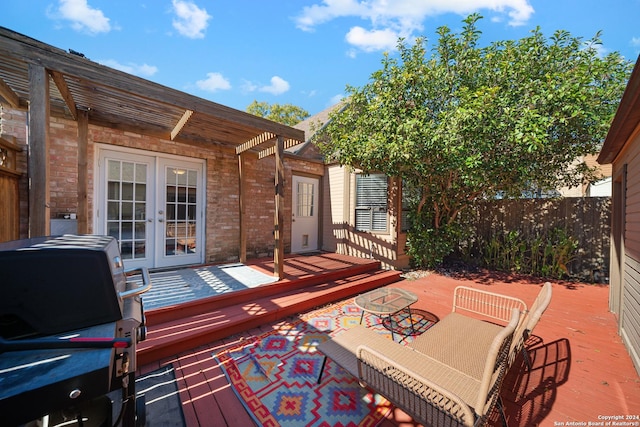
(276, 374)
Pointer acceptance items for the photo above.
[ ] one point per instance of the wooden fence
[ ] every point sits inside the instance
(588, 220)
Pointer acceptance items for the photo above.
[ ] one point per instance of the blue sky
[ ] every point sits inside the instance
(301, 52)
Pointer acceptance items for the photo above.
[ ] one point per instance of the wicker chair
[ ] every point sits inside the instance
(434, 392)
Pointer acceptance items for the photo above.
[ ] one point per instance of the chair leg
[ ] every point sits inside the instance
(527, 359)
(502, 414)
(324, 362)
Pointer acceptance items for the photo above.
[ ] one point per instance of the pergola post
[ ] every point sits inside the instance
(38, 157)
(278, 251)
(83, 206)
(242, 201)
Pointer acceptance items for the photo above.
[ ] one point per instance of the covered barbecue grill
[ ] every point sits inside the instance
(69, 325)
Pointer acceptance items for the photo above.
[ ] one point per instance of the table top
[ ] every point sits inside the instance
(385, 301)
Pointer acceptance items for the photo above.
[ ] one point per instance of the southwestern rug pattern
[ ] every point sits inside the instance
(275, 375)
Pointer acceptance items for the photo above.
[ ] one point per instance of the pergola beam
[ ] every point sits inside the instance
(61, 84)
(288, 143)
(9, 95)
(183, 121)
(255, 141)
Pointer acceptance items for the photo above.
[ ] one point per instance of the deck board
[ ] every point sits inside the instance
(580, 367)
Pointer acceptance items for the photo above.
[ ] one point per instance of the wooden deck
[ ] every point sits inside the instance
(581, 370)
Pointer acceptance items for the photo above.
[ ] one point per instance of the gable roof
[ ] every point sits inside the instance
(119, 100)
(311, 125)
(626, 120)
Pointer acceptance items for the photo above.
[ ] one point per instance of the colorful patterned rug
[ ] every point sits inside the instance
(276, 375)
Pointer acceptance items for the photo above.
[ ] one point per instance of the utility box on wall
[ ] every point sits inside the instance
(64, 226)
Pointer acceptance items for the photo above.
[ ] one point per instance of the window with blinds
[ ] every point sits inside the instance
(371, 202)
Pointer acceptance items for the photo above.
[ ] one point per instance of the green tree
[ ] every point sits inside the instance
(287, 114)
(472, 122)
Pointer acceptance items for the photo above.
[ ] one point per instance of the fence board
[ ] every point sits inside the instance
(586, 219)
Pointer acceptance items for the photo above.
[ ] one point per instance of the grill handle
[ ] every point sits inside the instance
(53, 343)
(146, 284)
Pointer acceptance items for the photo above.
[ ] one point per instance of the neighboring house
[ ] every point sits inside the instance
(175, 178)
(600, 188)
(621, 149)
(362, 214)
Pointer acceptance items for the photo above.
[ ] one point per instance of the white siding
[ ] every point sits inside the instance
(629, 291)
(334, 215)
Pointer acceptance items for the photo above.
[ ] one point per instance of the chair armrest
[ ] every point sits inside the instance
(497, 362)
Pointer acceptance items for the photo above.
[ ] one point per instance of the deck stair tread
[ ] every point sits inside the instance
(173, 330)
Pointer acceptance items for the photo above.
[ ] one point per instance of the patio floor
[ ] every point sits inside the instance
(581, 370)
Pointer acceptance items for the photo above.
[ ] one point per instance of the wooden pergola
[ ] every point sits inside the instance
(50, 82)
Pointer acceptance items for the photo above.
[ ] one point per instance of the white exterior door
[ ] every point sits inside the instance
(152, 205)
(304, 221)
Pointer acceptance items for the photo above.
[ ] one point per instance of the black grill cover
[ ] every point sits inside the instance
(51, 285)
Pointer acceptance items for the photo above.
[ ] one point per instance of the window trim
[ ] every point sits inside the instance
(374, 206)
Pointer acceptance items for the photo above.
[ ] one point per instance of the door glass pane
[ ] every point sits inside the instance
(141, 172)
(180, 211)
(140, 192)
(113, 190)
(126, 219)
(114, 171)
(127, 171)
(127, 212)
(305, 199)
(127, 191)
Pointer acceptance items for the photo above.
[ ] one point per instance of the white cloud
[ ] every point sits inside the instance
(372, 40)
(601, 51)
(330, 9)
(336, 99)
(83, 17)
(214, 82)
(402, 17)
(191, 21)
(248, 86)
(143, 70)
(278, 86)
(635, 41)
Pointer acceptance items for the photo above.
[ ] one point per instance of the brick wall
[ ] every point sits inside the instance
(63, 172)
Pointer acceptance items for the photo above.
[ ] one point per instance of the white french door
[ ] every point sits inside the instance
(153, 206)
(304, 221)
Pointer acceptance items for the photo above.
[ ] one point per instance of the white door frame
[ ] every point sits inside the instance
(305, 206)
(156, 241)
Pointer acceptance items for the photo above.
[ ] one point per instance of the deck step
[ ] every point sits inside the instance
(162, 315)
(214, 321)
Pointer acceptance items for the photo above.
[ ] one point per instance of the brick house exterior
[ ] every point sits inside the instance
(222, 182)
